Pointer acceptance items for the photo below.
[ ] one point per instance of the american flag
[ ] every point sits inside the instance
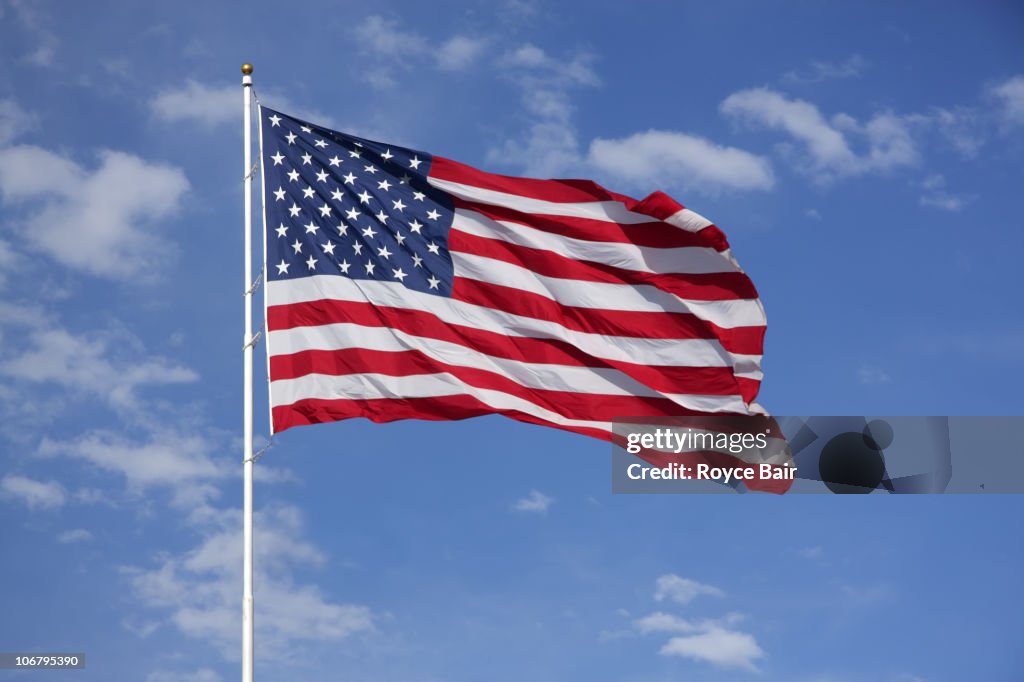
(405, 285)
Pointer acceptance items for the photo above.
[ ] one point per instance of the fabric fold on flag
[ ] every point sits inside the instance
(403, 285)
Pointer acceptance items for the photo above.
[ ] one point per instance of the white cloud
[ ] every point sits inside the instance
(663, 622)
(13, 120)
(76, 535)
(383, 36)
(719, 646)
(819, 71)
(34, 494)
(811, 553)
(687, 161)
(870, 375)
(97, 363)
(534, 64)
(167, 458)
(536, 502)
(827, 145)
(205, 104)
(460, 52)
(34, 25)
(1010, 94)
(199, 589)
(99, 221)
(682, 590)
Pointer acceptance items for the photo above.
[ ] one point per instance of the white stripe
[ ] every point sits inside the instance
(605, 296)
(378, 386)
(609, 211)
(569, 378)
(691, 221)
(656, 352)
(683, 260)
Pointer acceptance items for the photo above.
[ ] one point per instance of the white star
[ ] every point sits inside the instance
(295, 210)
(416, 226)
(364, 198)
(400, 238)
(322, 175)
(281, 230)
(386, 155)
(342, 228)
(291, 137)
(399, 206)
(349, 179)
(357, 247)
(433, 248)
(336, 195)
(311, 263)
(369, 232)
(369, 267)
(418, 196)
(279, 193)
(297, 246)
(382, 217)
(354, 153)
(311, 227)
(335, 161)
(370, 169)
(308, 192)
(399, 275)
(434, 281)
(384, 185)
(417, 261)
(329, 248)
(352, 213)
(307, 159)
(325, 210)
(415, 163)
(383, 252)
(320, 143)
(275, 120)
(282, 268)
(433, 215)
(278, 158)
(404, 180)
(305, 129)
(293, 175)
(344, 265)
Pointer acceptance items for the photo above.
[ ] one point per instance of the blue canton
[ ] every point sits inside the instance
(341, 205)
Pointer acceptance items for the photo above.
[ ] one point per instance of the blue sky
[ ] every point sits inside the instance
(863, 158)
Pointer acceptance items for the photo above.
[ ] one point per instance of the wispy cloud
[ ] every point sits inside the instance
(1010, 96)
(937, 196)
(672, 587)
(819, 71)
(826, 146)
(198, 588)
(75, 535)
(33, 494)
(725, 648)
(101, 221)
(536, 503)
(873, 376)
(659, 157)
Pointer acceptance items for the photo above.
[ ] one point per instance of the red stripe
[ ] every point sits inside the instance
(447, 408)
(715, 286)
(569, 404)
(654, 234)
(658, 205)
(712, 380)
(629, 323)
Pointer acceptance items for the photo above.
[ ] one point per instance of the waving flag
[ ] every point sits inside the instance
(405, 285)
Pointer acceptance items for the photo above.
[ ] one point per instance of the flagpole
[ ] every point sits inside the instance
(247, 600)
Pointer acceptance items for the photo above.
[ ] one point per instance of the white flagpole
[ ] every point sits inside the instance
(247, 602)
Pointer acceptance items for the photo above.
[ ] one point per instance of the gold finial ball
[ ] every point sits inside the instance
(247, 69)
